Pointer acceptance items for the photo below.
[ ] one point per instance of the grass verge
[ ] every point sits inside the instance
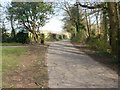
(11, 58)
(11, 44)
(24, 67)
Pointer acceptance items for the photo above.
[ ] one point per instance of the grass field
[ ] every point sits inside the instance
(11, 57)
(23, 65)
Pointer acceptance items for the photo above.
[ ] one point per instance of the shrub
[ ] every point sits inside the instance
(79, 38)
(98, 44)
(22, 37)
(5, 37)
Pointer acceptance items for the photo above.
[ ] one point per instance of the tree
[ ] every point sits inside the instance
(105, 24)
(69, 26)
(10, 17)
(113, 14)
(114, 26)
(31, 15)
(87, 24)
(73, 19)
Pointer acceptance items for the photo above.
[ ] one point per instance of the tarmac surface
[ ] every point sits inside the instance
(68, 67)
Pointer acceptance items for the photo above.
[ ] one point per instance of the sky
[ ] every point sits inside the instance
(54, 24)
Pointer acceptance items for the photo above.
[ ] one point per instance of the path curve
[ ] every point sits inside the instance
(70, 68)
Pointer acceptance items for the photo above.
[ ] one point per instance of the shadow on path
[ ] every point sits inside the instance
(68, 67)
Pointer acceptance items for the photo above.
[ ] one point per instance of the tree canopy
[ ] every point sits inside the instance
(31, 15)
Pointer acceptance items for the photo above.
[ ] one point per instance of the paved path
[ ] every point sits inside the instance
(70, 68)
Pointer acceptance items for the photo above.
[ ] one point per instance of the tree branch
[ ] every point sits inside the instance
(90, 7)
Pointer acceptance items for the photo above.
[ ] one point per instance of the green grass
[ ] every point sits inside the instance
(11, 44)
(13, 50)
(11, 57)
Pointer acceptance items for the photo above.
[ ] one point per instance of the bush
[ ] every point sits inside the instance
(5, 37)
(79, 38)
(54, 37)
(10, 40)
(98, 44)
(22, 37)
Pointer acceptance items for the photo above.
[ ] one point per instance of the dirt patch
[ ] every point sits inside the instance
(31, 72)
(97, 56)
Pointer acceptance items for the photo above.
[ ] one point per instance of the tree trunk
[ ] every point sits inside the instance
(87, 25)
(35, 36)
(13, 30)
(118, 11)
(78, 21)
(105, 28)
(97, 24)
(114, 26)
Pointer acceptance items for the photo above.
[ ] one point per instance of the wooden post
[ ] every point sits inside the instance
(42, 39)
